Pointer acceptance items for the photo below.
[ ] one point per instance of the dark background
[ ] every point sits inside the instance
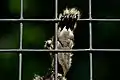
(105, 35)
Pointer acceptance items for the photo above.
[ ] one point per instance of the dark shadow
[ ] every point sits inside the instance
(36, 33)
(82, 35)
(105, 9)
(38, 9)
(106, 35)
(106, 65)
(80, 67)
(9, 66)
(8, 11)
(9, 35)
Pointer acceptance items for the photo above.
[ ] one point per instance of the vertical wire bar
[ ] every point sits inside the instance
(90, 24)
(20, 54)
(90, 41)
(90, 34)
(56, 61)
(91, 70)
(56, 28)
(90, 10)
(20, 66)
(91, 74)
(21, 36)
(21, 9)
(56, 8)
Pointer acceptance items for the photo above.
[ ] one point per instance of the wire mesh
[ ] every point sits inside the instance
(20, 50)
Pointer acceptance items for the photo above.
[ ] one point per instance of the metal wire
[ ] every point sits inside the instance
(56, 28)
(46, 50)
(24, 20)
(21, 39)
(90, 40)
(20, 54)
(20, 50)
(91, 67)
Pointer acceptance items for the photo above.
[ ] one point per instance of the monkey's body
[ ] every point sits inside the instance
(65, 37)
(65, 41)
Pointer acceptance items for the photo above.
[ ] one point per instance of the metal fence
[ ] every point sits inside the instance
(20, 50)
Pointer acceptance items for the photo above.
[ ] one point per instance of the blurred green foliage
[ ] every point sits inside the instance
(9, 66)
(14, 6)
(105, 35)
(35, 63)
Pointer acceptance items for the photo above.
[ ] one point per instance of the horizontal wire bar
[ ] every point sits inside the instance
(24, 50)
(105, 50)
(36, 19)
(58, 50)
(57, 20)
(104, 19)
(28, 20)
